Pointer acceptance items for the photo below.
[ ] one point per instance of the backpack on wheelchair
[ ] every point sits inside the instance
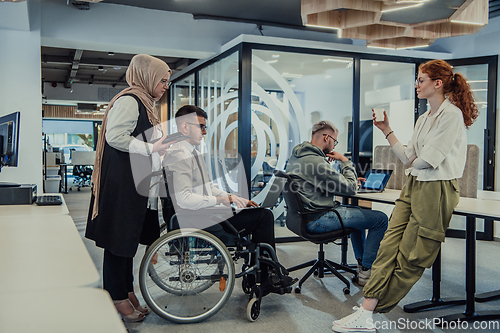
(188, 274)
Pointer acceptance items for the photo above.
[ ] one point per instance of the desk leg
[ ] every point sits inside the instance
(470, 313)
(436, 300)
(65, 179)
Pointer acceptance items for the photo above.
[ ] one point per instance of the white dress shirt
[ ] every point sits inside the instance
(122, 120)
(188, 186)
(439, 142)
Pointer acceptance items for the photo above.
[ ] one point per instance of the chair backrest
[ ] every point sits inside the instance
(384, 158)
(468, 182)
(295, 207)
(82, 157)
(296, 218)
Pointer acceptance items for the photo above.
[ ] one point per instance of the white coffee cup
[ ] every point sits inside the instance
(379, 114)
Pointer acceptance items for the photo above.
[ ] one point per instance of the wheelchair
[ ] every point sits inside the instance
(187, 275)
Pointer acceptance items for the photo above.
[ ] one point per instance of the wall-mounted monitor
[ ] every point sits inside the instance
(365, 136)
(9, 139)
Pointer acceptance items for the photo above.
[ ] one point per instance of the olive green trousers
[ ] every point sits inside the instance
(412, 240)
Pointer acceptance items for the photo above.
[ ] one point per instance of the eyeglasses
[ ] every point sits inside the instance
(418, 82)
(335, 142)
(202, 126)
(166, 83)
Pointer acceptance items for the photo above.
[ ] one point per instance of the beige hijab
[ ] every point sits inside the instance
(143, 75)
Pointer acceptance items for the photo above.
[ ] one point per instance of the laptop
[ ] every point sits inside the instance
(376, 180)
(272, 196)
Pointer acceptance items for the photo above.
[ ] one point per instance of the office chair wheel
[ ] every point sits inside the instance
(192, 279)
(346, 291)
(253, 309)
(297, 290)
(354, 279)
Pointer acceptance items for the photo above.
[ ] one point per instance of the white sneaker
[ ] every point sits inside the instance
(359, 321)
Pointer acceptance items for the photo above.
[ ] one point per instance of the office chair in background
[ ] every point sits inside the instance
(296, 219)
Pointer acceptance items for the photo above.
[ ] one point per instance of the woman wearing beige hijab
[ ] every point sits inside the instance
(120, 217)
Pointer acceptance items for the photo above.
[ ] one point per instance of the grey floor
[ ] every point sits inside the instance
(322, 300)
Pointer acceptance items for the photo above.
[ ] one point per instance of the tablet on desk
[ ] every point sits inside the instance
(375, 181)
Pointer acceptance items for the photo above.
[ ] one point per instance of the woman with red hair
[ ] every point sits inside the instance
(436, 157)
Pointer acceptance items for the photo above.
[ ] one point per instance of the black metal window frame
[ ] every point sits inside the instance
(244, 50)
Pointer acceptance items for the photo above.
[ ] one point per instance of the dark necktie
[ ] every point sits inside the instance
(195, 154)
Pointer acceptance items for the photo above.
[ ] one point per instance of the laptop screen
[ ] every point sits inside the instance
(376, 179)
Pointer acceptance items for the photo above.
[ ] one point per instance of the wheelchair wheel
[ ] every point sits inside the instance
(253, 309)
(192, 279)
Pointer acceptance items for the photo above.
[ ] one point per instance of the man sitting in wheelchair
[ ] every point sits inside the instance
(191, 190)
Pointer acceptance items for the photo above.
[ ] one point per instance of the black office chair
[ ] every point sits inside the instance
(82, 176)
(296, 219)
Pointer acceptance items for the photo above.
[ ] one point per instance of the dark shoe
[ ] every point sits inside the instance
(273, 285)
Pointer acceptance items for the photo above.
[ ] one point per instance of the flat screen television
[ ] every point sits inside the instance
(9, 139)
(365, 136)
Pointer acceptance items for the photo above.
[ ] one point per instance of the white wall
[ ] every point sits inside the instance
(20, 90)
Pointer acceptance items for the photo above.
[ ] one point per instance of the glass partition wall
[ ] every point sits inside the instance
(262, 100)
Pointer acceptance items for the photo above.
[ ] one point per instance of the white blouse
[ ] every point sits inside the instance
(439, 144)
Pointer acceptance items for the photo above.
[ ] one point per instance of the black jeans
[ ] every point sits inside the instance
(117, 275)
(117, 272)
(256, 221)
(260, 223)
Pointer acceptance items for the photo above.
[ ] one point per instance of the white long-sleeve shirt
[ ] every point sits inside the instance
(440, 142)
(122, 120)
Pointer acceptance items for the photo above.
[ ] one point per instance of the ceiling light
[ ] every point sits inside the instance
(466, 22)
(479, 89)
(411, 47)
(111, 53)
(476, 81)
(272, 61)
(294, 76)
(374, 63)
(336, 60)
(292, 85)
(276, 55)
(327, 76)
(381, 47)
(321, 26)
(400, 8)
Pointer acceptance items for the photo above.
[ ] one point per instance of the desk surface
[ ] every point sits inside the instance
(75, 310)
(33, 209)
(479, 208)
(44, 252)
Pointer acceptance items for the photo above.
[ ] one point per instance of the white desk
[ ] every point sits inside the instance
(478, 208)
(33, 210)
(471, 208)
(43, 252)
(75, 310)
